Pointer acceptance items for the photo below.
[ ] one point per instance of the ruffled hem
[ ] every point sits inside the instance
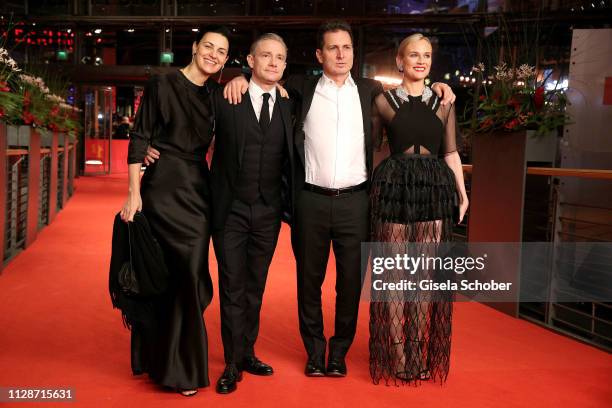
(410, 188)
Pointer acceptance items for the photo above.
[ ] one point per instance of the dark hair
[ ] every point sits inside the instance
(332, 26)
(219, 29)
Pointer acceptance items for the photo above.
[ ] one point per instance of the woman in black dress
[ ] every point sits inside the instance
(175, 117)
(415, 193)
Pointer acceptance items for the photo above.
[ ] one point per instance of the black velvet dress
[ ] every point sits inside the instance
(413, 200)
(175, 117)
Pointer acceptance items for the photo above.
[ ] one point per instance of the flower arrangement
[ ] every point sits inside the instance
(36, 105)
(9, 101)
(26, 100)
(511, 99)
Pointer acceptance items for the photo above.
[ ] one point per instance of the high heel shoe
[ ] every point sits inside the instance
(400, 363)
(188, 393)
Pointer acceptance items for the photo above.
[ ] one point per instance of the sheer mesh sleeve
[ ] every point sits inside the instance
(377, 127)
(145, 123)
(451, 134)
(384, 110)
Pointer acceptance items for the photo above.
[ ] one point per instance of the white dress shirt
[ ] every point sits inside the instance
(334, 144)
(256, 94)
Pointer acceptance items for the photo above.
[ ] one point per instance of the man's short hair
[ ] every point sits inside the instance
(332, 27)
(264, 37)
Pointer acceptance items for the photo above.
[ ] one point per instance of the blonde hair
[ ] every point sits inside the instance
(410, 39)
(267, 36)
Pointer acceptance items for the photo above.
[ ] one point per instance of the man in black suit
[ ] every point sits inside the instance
(335, 132)
(253, 147)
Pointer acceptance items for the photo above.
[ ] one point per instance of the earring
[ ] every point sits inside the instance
(400, 68)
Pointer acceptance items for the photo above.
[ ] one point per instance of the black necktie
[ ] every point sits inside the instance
(264, 114)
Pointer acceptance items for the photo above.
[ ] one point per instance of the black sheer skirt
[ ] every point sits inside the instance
(413, 199)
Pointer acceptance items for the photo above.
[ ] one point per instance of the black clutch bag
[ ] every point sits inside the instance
(128, 282)
(456, 214)
(137, 266)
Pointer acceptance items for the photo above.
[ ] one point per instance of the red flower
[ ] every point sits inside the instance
(26, 99)
(4, 87)
(487, 123)
(512, 124)
(28, 118)
(1, 112)
(482, 98)
(538, 98)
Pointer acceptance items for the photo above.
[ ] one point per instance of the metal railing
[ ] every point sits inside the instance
(34, 177)
(71, 155)
(16, 202)
(60, 179)
(547, 217)
(45, 188)
(562, 221)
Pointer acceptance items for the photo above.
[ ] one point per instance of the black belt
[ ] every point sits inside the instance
(335, 191)
(181, 155)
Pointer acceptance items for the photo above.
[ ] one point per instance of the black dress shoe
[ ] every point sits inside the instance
(255, 366)
(227, 382)
(336, 368)
(314, 369)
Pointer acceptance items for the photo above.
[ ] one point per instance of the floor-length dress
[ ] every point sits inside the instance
(175, 117)
(413, 199)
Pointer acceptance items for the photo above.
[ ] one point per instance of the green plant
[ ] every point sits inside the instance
(511, 99)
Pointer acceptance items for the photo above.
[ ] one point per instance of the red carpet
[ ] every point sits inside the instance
(59, 330)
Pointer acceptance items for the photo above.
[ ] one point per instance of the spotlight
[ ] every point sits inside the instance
(130, 30)
(98, 30)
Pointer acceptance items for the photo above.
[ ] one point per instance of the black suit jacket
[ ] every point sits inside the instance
(301, 89)
(229, 149)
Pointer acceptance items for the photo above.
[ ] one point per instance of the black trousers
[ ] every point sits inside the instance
(343, 222)
(244, 249)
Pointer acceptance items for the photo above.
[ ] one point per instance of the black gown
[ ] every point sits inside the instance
(413, 200)
(175, 117)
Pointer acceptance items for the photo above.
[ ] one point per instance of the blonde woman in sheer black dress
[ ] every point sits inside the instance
(415, 192)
